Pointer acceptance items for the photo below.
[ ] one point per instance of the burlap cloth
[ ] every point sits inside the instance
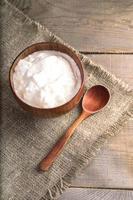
(25, 139)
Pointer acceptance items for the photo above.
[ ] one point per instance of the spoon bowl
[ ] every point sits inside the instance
(95, 99)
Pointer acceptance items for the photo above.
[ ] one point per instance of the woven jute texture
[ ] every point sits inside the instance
(25, 139)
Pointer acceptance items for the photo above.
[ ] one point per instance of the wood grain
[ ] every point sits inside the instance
(97, 26)
(120, 65)
(113, 166)
(96, 194)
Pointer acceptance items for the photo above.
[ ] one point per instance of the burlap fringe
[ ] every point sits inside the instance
(64, 182)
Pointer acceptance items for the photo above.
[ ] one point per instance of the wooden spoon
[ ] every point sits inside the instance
(93, 101)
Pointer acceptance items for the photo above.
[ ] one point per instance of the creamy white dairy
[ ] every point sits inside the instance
(46, 79)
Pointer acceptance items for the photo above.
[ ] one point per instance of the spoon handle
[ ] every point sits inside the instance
(56, 150)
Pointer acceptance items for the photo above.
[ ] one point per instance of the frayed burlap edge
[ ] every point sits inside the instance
(58, 188)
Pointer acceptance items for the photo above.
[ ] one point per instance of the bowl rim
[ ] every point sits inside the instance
(60, 106)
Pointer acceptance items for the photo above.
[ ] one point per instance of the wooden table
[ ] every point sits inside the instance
(103, 30)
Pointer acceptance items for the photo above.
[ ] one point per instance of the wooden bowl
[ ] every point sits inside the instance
(48, 112)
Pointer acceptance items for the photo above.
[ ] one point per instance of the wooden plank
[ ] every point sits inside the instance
(113, 167)
(97, 26)
(120, 65)
(96, 194)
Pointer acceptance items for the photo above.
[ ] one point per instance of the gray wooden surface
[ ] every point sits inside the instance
(94, 194)
(88, 25)
(97, 26)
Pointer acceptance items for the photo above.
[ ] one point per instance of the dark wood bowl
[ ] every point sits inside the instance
(48, 112)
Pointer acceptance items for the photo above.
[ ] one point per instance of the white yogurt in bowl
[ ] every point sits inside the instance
(46, 79)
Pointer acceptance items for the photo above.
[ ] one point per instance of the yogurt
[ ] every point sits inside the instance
(46, 79)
